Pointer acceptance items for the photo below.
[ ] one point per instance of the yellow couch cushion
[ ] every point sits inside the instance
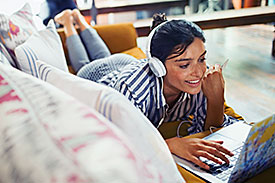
(135, 52)
(118, 37)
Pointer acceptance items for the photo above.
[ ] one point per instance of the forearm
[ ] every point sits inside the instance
(215, 114)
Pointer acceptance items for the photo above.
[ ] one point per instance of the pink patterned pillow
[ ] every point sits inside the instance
(48, 136)
(16, 29)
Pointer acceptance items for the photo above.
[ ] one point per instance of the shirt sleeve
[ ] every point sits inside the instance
(199, 108)
(228, 120)
(123, 88)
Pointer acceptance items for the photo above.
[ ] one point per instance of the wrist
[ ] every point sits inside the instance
(216, 100)
(171, 143)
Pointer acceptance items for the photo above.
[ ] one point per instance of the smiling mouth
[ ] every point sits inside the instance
(193, 82)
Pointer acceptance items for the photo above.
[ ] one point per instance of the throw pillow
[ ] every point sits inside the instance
(44, 45)
(114, 106)
(48, 136)
(17, 28)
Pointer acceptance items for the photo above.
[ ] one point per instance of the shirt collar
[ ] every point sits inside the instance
(161, 102)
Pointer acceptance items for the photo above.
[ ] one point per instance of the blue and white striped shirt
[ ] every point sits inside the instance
(139, 84)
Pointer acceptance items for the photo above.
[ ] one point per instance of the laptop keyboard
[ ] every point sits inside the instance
(223, 171)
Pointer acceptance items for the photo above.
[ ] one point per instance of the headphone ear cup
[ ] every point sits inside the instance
(157, 67)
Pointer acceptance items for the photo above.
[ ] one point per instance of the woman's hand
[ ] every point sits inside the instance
(193, 148)
(213, 89)
(213, 84)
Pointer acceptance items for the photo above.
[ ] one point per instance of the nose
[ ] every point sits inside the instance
(198, 70)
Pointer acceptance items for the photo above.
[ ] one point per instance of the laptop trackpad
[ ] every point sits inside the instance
(232, 135)
(228, 143)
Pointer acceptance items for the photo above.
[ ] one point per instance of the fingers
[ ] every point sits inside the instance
(218, 150)
(209, 156)
(198, 162)
(213, 69)
(219, 147)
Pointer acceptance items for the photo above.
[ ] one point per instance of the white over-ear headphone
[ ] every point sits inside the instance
(155, 64)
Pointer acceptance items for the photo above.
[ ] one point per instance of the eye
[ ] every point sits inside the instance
(202, 60)
(184, 66)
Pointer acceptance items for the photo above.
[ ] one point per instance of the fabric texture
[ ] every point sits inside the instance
(4, 56)
(99, 68)
(48, 136)
(139, 84)
(44, 45)
(17, 28)
(114, 106)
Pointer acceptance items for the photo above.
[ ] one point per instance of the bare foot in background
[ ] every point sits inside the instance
(65, 17)
(80, 19)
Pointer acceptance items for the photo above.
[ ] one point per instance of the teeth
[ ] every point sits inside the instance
(195, 81)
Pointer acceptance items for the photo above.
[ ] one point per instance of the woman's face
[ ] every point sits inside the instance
(185, 72)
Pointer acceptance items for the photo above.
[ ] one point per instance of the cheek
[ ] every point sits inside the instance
(181, 75)
(203, 68)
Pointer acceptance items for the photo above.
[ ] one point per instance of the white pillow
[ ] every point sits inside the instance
(17, 28)
(116, 107)
(44, 45)
(48, 136)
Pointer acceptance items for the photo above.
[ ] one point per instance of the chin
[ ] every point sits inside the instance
(193, 91)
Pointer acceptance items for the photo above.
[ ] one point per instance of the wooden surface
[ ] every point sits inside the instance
(219, 19)
(250, 72)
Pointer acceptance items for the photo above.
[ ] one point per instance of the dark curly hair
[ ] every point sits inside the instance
(173, 36)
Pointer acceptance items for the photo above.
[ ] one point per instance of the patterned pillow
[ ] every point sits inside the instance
(17, 28)
(48, 136)
(44, 45)
(114, 106)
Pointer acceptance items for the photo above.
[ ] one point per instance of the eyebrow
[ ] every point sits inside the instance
(188, 59)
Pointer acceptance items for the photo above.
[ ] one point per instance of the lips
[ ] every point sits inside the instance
(193, 83)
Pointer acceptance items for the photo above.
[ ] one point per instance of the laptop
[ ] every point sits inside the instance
(253, 148)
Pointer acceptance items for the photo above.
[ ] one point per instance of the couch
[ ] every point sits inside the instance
(40, 53)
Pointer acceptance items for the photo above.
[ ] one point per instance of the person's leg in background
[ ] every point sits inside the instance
(95, 46)
(102, 62)
(77, 52)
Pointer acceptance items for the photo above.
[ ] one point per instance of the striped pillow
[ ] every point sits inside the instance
(44, 45)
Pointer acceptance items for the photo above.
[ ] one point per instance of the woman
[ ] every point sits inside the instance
(171, 85)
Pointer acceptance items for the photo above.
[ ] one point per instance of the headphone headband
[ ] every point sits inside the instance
(149, 39)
